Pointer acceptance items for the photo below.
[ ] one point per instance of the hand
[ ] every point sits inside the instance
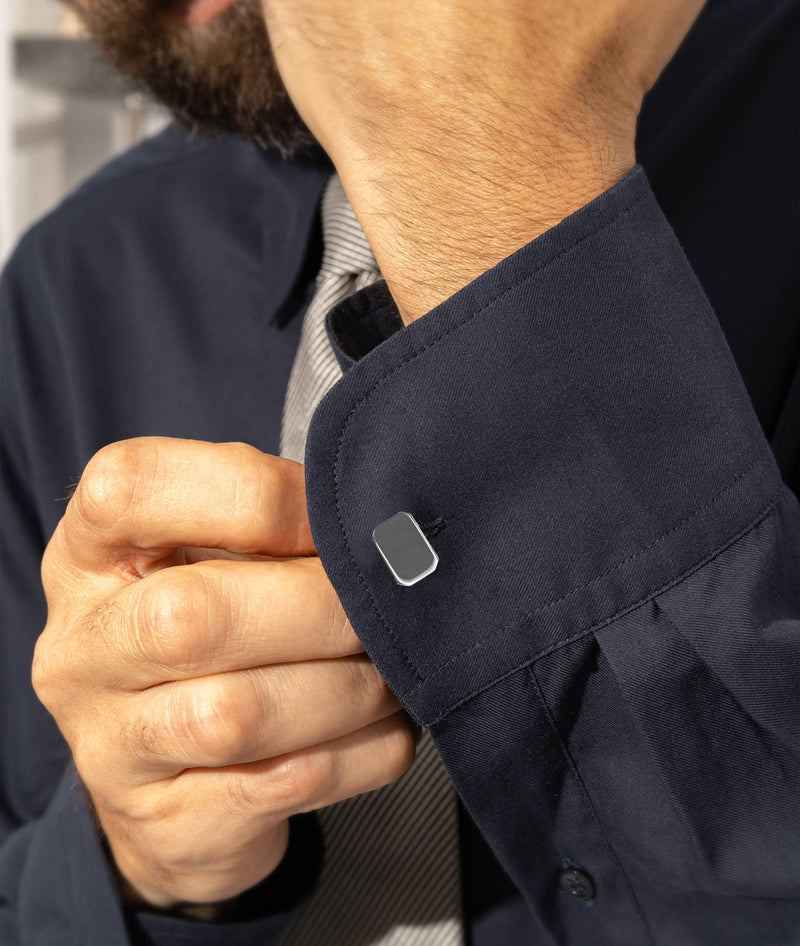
(463, 130)
(206, 695)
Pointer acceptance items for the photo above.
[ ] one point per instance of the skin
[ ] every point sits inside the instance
(201, 668)
(194, 686)
(463, 130)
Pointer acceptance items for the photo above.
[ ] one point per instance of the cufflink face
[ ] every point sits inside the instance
(405, 549)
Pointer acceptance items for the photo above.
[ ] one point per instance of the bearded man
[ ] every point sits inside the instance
(432, 573)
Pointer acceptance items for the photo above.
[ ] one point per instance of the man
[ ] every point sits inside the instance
(607, 653)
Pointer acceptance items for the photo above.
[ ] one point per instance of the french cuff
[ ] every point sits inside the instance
(569, 431)
(361, 322)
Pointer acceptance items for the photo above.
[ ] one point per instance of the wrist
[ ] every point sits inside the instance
(133, 900)
(273, 899)
(439, 221)
(204, 902)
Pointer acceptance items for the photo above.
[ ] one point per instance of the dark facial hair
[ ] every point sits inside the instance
(216, 78)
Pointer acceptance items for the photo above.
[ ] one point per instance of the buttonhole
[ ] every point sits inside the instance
(433, 527)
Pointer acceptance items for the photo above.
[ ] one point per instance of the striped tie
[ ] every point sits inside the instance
(391, 874)
(347, 266)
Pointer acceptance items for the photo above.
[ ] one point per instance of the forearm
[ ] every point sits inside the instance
(463, 132)
(455, 206)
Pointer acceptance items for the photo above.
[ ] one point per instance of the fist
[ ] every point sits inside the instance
(201, 668)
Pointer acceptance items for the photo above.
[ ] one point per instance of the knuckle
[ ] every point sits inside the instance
(166, 617)
(149, 806)
(50, 668)
(301, 780)
(43, 669)
(107, 489)
(208, 723)
(260, 489)
(258, 478)
(245, 795)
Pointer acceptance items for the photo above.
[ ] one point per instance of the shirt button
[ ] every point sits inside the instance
(576, 884)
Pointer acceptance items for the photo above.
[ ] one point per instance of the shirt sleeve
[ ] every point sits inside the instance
(56, 887)
(608, 652)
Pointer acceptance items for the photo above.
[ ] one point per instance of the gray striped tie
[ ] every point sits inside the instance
(391, 874)
(347, 266)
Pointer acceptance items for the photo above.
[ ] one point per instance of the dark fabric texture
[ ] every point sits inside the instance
(621, 492)
(601, 439)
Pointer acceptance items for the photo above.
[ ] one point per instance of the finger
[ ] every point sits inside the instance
(139, 499)
(233, 718)
(308, 779)
(213, 617)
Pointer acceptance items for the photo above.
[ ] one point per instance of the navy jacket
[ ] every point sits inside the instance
(600, 437)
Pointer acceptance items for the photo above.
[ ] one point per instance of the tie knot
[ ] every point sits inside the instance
(346, 248)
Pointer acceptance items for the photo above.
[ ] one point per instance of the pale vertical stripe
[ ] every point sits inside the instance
(392, 872)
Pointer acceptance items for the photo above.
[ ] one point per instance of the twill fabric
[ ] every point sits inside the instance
(397, 846)
(348, 265)
(608, 654)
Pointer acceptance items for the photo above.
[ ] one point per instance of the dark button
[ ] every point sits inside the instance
(576, 884)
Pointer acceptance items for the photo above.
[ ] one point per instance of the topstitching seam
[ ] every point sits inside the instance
(622, 612)
(551, 604)
(508, 289)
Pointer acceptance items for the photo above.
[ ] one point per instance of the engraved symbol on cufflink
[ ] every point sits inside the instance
(405, 549)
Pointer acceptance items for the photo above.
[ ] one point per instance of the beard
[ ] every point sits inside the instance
(218, 78)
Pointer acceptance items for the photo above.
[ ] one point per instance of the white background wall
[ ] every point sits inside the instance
(5, 126)
(49, 141)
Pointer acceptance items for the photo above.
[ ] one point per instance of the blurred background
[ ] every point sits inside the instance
(62, 113)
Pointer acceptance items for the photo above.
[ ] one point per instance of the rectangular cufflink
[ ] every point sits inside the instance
(404, 548)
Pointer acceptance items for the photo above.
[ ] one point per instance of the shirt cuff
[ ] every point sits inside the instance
(571, 432)
(361, 322)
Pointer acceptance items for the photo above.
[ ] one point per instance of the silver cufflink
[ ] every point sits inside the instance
(405, 549)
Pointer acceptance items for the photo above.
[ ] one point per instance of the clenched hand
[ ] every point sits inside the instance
(200, 666)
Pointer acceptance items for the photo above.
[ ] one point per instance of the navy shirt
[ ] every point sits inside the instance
(600, 437)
